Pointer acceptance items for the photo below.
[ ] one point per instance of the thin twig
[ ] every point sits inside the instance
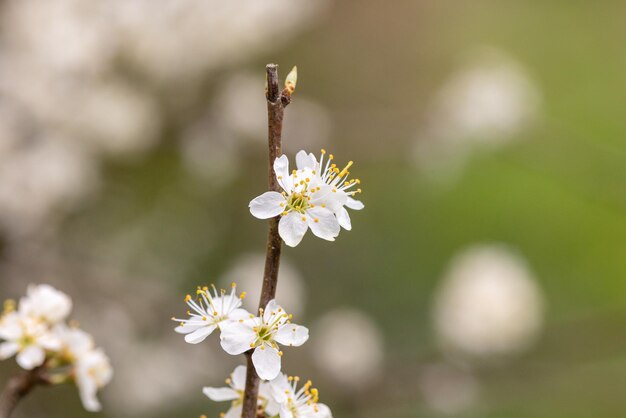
(276, 102)
(18, 387)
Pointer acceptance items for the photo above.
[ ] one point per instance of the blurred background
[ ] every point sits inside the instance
(485, 277)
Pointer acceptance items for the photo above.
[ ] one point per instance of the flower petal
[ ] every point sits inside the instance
(31, 357)
(285, 412)
(220, 394)
(271, 310)
(323, 411)
(267, 205)
(8, 349)
(343, 218)
(281, 168)
(87, 389)
(304, 160)
(354, 204)
(188, 327)
(238, 314)
(292, 228)
(234, 412)
(200, 334)
(238, 378)
(292, 335)
(323, 223)
(237, 337)
(266, 361)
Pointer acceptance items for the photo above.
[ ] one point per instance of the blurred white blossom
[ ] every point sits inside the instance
(41, 176)
(447, 389)
(488, 304)
(247, 270)
(486, 104)
(348, 347)
(36, 332)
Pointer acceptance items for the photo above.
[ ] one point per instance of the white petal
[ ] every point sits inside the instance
(304, 160)
(281, 388)
(238, 378)
(271, 310)
(323, 411)
(267, 205)
(188, 328)
(343, 218)
(237, 337)
(31, 357)
(234, 412)
(220, 394)
(323, 223)
(265, 393)
(292, 228)
(285, 412)
(10, 328)
(200, 334)
(238, 314)
(281, 168)
(326, 196)
(8, 349)
(292, 335)
(87, 389)
(49, 342)
(354, 204)
(266, 362)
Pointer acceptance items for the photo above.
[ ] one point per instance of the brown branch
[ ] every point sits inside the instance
(18, 387)
(276, 102)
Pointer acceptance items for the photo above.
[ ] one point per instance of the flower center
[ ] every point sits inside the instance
(264, 334)
(297, 202)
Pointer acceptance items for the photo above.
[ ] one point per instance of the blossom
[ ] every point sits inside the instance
(74, 342)
(331, 175)
(27, 337)
(262, 334)
(92, 372)
(297, 403)
(235, 390)
(210, 310)
(45, 302)
(306, 202)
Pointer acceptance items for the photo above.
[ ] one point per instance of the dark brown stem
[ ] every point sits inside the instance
(18, 387)
(276, 102)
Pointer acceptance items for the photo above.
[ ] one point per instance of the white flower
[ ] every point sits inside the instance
(74, 342)
(297, 403)
(93, 371)
(234, 392)
(262, 334)
(306, 202)
(331, 175)
(46, 303)
(210, 311)
(26, 336)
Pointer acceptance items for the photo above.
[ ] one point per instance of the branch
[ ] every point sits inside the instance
(18, 387)
(276, 102)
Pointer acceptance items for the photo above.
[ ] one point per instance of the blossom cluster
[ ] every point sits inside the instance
(314, 196)
(241, 331)
(36, 332)
(278, 397)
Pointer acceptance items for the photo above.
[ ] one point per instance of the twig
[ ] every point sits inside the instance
(18, 387)
(276, 102)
